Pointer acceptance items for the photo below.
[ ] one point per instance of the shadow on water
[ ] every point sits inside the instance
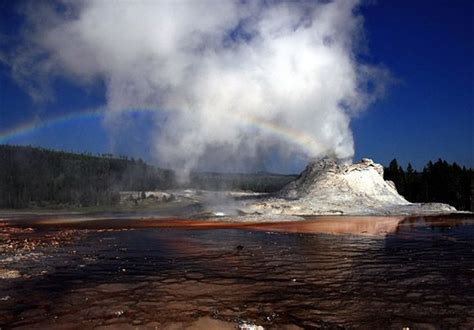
(323, 272)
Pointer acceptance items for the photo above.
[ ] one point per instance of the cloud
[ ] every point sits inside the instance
(234, 76)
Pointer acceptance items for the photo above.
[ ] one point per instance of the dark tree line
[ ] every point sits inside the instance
(39, 177)
(437, 182)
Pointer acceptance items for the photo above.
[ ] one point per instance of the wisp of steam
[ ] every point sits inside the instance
(240, 77)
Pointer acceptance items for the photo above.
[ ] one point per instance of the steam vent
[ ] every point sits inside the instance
(326, 187)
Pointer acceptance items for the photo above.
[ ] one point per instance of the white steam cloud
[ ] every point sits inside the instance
(237, 77)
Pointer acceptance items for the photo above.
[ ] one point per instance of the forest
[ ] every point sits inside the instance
(33, 177)
(36, 177)
(437, 182)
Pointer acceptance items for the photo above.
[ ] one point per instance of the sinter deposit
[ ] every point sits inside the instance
(326, 187)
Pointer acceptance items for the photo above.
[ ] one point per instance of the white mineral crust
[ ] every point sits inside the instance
(326, 187)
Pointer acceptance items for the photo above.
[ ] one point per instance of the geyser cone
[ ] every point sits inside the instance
(328, 180)
(326, 187)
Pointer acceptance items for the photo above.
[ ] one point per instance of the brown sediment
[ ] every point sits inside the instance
(358, 225)
(13, 239)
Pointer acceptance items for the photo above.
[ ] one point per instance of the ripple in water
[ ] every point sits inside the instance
(370, 273)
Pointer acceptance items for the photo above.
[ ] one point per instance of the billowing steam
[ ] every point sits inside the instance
(237, 77)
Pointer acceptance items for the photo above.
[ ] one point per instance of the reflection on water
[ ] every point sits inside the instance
(359, 225)
(388, 273)
(369, 225)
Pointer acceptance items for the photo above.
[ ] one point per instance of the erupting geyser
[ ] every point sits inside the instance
(230, 80)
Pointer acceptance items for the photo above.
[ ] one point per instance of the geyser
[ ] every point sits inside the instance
(245, 77)
(327, 188)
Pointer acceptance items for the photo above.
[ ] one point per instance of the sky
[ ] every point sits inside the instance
(424, 113)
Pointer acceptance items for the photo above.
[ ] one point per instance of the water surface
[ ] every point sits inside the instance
(369, 272)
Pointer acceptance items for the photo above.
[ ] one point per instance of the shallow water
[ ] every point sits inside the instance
(327, 272)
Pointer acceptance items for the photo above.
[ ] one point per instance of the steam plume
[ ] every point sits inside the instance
(233, 76)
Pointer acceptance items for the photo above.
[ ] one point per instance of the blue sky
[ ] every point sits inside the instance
(428, 46)
(427, 114)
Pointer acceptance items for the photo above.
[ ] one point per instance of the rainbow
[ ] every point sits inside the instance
(35, 125)
(32, 126)
(305, 141)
